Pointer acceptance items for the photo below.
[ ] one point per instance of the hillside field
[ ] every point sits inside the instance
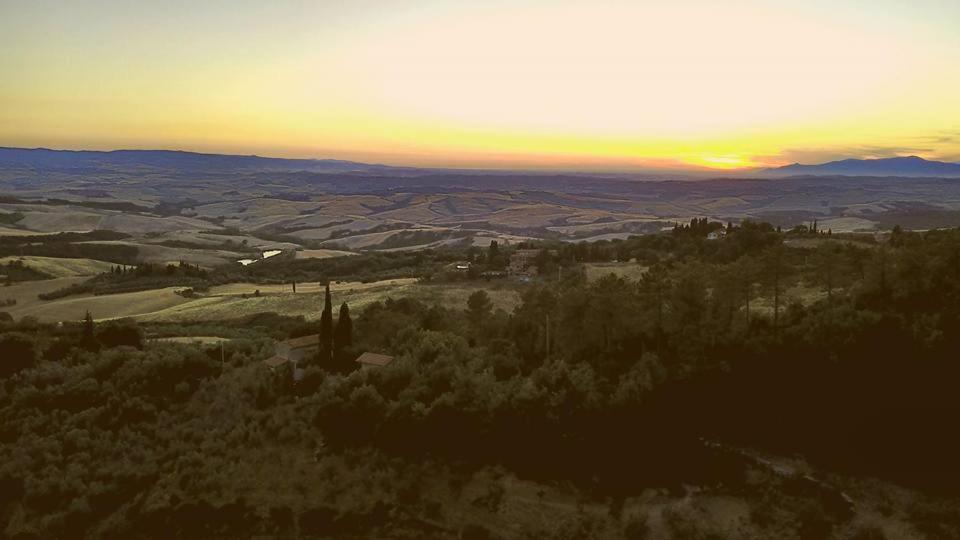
(58, 267)
(627, 270)
(227, 301)
(109, 306)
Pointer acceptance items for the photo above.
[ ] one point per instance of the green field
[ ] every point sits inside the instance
(25, 293)
(322, 253)
(236, 300)
(58, 267)
(109, 306)
(200, 340)
(228, 301)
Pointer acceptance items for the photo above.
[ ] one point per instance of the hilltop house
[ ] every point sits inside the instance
(292, 352)
(717, 234)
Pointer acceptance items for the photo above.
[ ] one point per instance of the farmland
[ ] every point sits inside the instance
(108, 306)
(237, 300)
(238, 212)
(62, 267)
(627, 270)
(234, 300)
(543, 368)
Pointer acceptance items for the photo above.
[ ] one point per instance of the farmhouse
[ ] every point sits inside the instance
(717, 234)
(274, 362)
(300, 348)
(521, 262)
(369, 359)
(293, 351)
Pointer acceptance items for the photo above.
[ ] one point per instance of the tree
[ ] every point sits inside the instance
(89, 339)
(326, 329)
(775, 275)
(478, 306)
(18, 352)
(343, 334)
(827, 267)
(654, 286)
(745, 272)
(493, 252)
(115, 334)
(495, 259)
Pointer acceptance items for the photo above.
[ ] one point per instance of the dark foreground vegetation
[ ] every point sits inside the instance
(609, 408)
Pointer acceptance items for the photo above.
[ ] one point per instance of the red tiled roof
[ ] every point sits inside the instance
(305, 341)
(374, 359)
(275, 361)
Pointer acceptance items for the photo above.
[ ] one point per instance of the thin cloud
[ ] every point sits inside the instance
(943, 137)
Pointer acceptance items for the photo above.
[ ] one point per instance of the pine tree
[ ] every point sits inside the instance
(343, 335)
(776, 274)
(326, 329)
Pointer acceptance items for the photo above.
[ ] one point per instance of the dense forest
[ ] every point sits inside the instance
(844, 350)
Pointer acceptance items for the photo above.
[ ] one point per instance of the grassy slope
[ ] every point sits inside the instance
(227, 302)
(101, 307)
(163, 255)
(627, 270)
(322, 253)
(58, 267)
(25, 293)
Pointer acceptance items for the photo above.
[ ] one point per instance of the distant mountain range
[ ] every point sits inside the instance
(40, 159)
(45, 158)
(898, 166)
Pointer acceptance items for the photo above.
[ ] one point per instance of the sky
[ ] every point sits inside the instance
(597, 84)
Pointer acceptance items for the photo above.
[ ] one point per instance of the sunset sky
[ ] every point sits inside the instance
(585, 84)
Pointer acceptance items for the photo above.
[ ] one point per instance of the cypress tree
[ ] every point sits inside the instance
(343, 335)
(88, 340)
(326, 328)
(88, 326)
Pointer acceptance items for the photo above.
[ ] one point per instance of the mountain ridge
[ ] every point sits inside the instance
(905, 166)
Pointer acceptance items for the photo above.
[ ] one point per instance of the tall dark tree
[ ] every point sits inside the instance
(776, 273)
(343, 334)
(493, 251)
(89, 339)
(479, 306)
(18, 352)
(326, 328)
(827, 268)
(654, 286)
